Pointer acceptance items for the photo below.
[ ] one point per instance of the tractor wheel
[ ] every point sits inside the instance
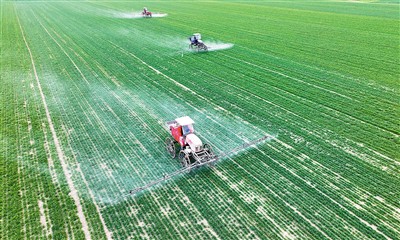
(170, 145)
(208, 148)
(184, 158)
(201, 46)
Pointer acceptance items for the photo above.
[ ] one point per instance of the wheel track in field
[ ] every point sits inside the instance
(21, 181)
(97, 152)
(93, 124)
(51, 168)
(44, 216)
(20, 155)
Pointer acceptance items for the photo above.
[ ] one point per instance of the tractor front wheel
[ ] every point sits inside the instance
(170, 145)
(208, 148)
(184, 158)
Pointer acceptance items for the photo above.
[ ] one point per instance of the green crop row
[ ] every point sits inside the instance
(321, 77)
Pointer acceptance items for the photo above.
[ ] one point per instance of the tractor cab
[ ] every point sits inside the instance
(182, 132)
(196, 42)
(180, 128)
(195, 38)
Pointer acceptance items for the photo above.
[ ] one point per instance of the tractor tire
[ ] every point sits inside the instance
(208, 148)
(202, 46)
(184, 158)
(170, 146)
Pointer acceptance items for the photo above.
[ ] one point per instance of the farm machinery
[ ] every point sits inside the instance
(196, 43)
(146, 13)
(192, 153)
(192, 150)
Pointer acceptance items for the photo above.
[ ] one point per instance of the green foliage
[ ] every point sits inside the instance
(322, 77)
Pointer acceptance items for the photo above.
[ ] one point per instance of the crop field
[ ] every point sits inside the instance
(87, 86)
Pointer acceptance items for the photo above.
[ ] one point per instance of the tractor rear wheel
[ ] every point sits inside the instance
(170, 145)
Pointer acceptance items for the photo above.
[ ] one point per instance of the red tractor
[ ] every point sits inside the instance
(146, 13)
(192, 150)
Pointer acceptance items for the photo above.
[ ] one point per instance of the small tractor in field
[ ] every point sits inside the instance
(192, 150)
(146, 13)
(196, 43)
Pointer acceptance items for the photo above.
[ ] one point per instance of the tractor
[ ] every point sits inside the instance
(197, 43)
(192, 151)
(146, 13)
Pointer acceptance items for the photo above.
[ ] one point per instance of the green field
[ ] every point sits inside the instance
(86, 89)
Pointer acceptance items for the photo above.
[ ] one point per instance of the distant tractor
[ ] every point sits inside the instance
(146, 13)
(192, 150)
(197, 43)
